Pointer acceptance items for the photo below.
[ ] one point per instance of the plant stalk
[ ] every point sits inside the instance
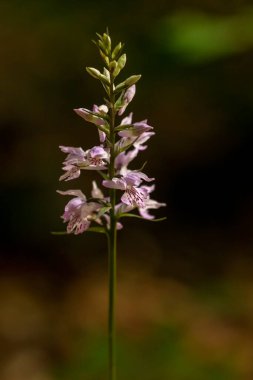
(112, 301)
(112, 248)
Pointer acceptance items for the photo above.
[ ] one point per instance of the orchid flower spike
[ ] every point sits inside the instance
(125, 192)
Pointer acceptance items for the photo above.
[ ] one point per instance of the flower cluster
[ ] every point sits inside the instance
(119, 143)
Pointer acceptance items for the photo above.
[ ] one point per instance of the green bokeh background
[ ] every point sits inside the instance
(185, 305)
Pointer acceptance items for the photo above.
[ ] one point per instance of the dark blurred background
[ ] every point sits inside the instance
(185, 291)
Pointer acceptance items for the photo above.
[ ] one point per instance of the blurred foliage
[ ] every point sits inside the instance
(166, 328)
(199, 37)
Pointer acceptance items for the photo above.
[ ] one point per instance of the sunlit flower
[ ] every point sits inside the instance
(72, 162)
(96, 158)
(127, 120)
(134, 133)
(136, 130)
(133, 195)
(123, 159)
(127, 98)
(101, 110)
(92, 159)
(89, 116)
(78, 212)
(149, 204)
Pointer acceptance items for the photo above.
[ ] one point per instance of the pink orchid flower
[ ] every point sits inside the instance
(133, 195)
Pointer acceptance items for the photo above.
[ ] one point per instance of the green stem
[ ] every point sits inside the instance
(112, 293)
(112, 247)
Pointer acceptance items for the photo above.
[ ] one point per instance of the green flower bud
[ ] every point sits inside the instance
(117, 50)
(132, 80)
(105, 58)
(97, 75)
(127, 83)
(122, 61)
(93, 72)
(120, 64)
(106, 73)
(107, 42)
(113, 65)
(102, 47)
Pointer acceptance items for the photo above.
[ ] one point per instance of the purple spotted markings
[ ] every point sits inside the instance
(133, 194)
(79, 212)
(77, 159)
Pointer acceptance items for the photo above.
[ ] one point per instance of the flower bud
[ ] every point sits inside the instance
(113, 65)
(107, 42)
(103, 55)
(93, 72)
(127, 83)
(126, 99)
(96, 74)
(104, 79)
(117, 50)
(122, 61)
(120, 64)
(132, 80)
(106, 73)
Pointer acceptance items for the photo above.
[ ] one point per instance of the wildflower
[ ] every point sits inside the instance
(71, 164)
(133, 195)
(96, 192)
(96, 158)
(78, 212)
(127, 98)
(149, 204)
(102, 110)
(145, 136)
(127, 120)
(92, 159)
(118, 145)
(134, 133)
(90, 116)
(136, 130)
(123, 159)
(75, 155)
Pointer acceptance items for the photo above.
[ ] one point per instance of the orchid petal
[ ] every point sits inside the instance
(76, 193)
(96, 192)
(134, 197)
(89, 116)
(115, 183)
(127, 98)
(127, 120)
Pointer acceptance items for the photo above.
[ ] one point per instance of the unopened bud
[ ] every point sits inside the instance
(117, 50)
(107, 42)
(106, 73)
(113, 65)
(96, 74)
(122, 61)
(120, 64)
(104, 79)
(132, 80)
(93, 72)
(105, 58)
